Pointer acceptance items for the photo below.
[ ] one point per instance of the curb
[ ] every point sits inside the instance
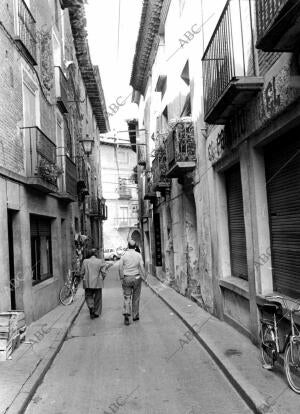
(23, 398)
(247, 391)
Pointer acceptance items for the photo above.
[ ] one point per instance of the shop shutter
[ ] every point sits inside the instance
(282, 164)
(236, 223)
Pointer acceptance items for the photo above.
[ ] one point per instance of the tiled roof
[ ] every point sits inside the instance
(147, 39)
(90, 74)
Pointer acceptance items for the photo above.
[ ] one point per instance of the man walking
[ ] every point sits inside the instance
(93, 271)
(131, 269)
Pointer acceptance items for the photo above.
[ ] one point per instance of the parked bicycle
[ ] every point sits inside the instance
(289, 344)
(68, 291)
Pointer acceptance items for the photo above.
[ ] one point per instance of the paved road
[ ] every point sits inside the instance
(150, 367)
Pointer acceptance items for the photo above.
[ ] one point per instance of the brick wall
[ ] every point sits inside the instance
(11, 145)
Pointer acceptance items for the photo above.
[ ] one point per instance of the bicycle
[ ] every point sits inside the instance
(68, 291)
(270, 340)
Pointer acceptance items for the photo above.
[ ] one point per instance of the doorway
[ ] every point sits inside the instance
(10, 223)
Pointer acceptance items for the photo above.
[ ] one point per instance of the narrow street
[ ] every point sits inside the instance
(147, 367)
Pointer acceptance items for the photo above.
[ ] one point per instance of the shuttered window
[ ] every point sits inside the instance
(236, 224)
(41, 249)
(282, 164)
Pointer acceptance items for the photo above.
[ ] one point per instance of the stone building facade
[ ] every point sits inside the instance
(118, 161)
(217, 85)
(49, 186)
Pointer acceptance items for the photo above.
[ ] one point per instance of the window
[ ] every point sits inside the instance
(41, 249)
(124, 215)
(123, 157)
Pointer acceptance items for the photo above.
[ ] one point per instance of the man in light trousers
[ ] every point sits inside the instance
(131, 270)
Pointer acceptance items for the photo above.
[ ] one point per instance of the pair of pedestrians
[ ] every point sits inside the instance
(131, 271)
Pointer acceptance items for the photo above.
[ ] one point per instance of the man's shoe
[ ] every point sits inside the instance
(92, 315)
(126, 320)
(137, 318)
(96, 316)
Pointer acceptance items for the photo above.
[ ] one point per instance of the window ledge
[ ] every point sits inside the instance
(236, 285)
(44, 284)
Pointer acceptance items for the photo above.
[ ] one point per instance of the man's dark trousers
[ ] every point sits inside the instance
(93, 299)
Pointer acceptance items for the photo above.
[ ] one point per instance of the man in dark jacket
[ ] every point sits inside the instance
(93, 271)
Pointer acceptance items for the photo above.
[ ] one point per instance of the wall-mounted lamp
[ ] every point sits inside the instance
(87, 144)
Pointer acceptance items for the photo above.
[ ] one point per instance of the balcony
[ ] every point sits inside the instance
(125, 222)
(92, 206)
(150, 193)
(61, 90)
(141, 155)
(181, 149)
(124, 190)
(278, 26)
(69, 3)
(82, 178)
(159, 170)
(25, 32)
(103, 209)
(68, 180)
(229, 63)
(42, 170)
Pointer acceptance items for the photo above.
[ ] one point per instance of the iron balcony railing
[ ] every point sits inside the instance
(93, 206)
(230, 52)
(266, 12)
(26, 31)
(103, 210)
(70, 176)
(126, 222)
(61, 89)
(68, 139)
(141, 155)
(160, 168)
(67, 182)
(180, 144)
(124, 192)
(82, 175)
(41, 161)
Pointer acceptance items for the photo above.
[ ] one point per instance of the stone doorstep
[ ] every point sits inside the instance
(247, 390)
(35, 375)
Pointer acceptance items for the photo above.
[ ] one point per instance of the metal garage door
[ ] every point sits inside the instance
(236, 224)
(282, 163)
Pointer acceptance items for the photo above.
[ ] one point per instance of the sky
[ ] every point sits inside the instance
(114, 57)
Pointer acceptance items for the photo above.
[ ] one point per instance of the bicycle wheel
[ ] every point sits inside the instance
(66, 295)
(268, 346)
(292, 365)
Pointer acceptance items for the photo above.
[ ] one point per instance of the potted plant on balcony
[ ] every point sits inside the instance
(48, 171)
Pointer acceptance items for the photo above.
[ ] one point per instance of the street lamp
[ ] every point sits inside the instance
(87, 144)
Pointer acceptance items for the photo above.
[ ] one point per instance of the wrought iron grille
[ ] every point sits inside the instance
(180, 144)
(40, 155)
(70, 176)
(230, 52)
(82, 172)
(26, 29)
(61, 86)
(141, 154)
(160, 166)
(266, 11)
(124, 189)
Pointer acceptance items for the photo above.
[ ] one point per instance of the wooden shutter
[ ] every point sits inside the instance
(282, 164)
(40, 226)
(236, 224)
